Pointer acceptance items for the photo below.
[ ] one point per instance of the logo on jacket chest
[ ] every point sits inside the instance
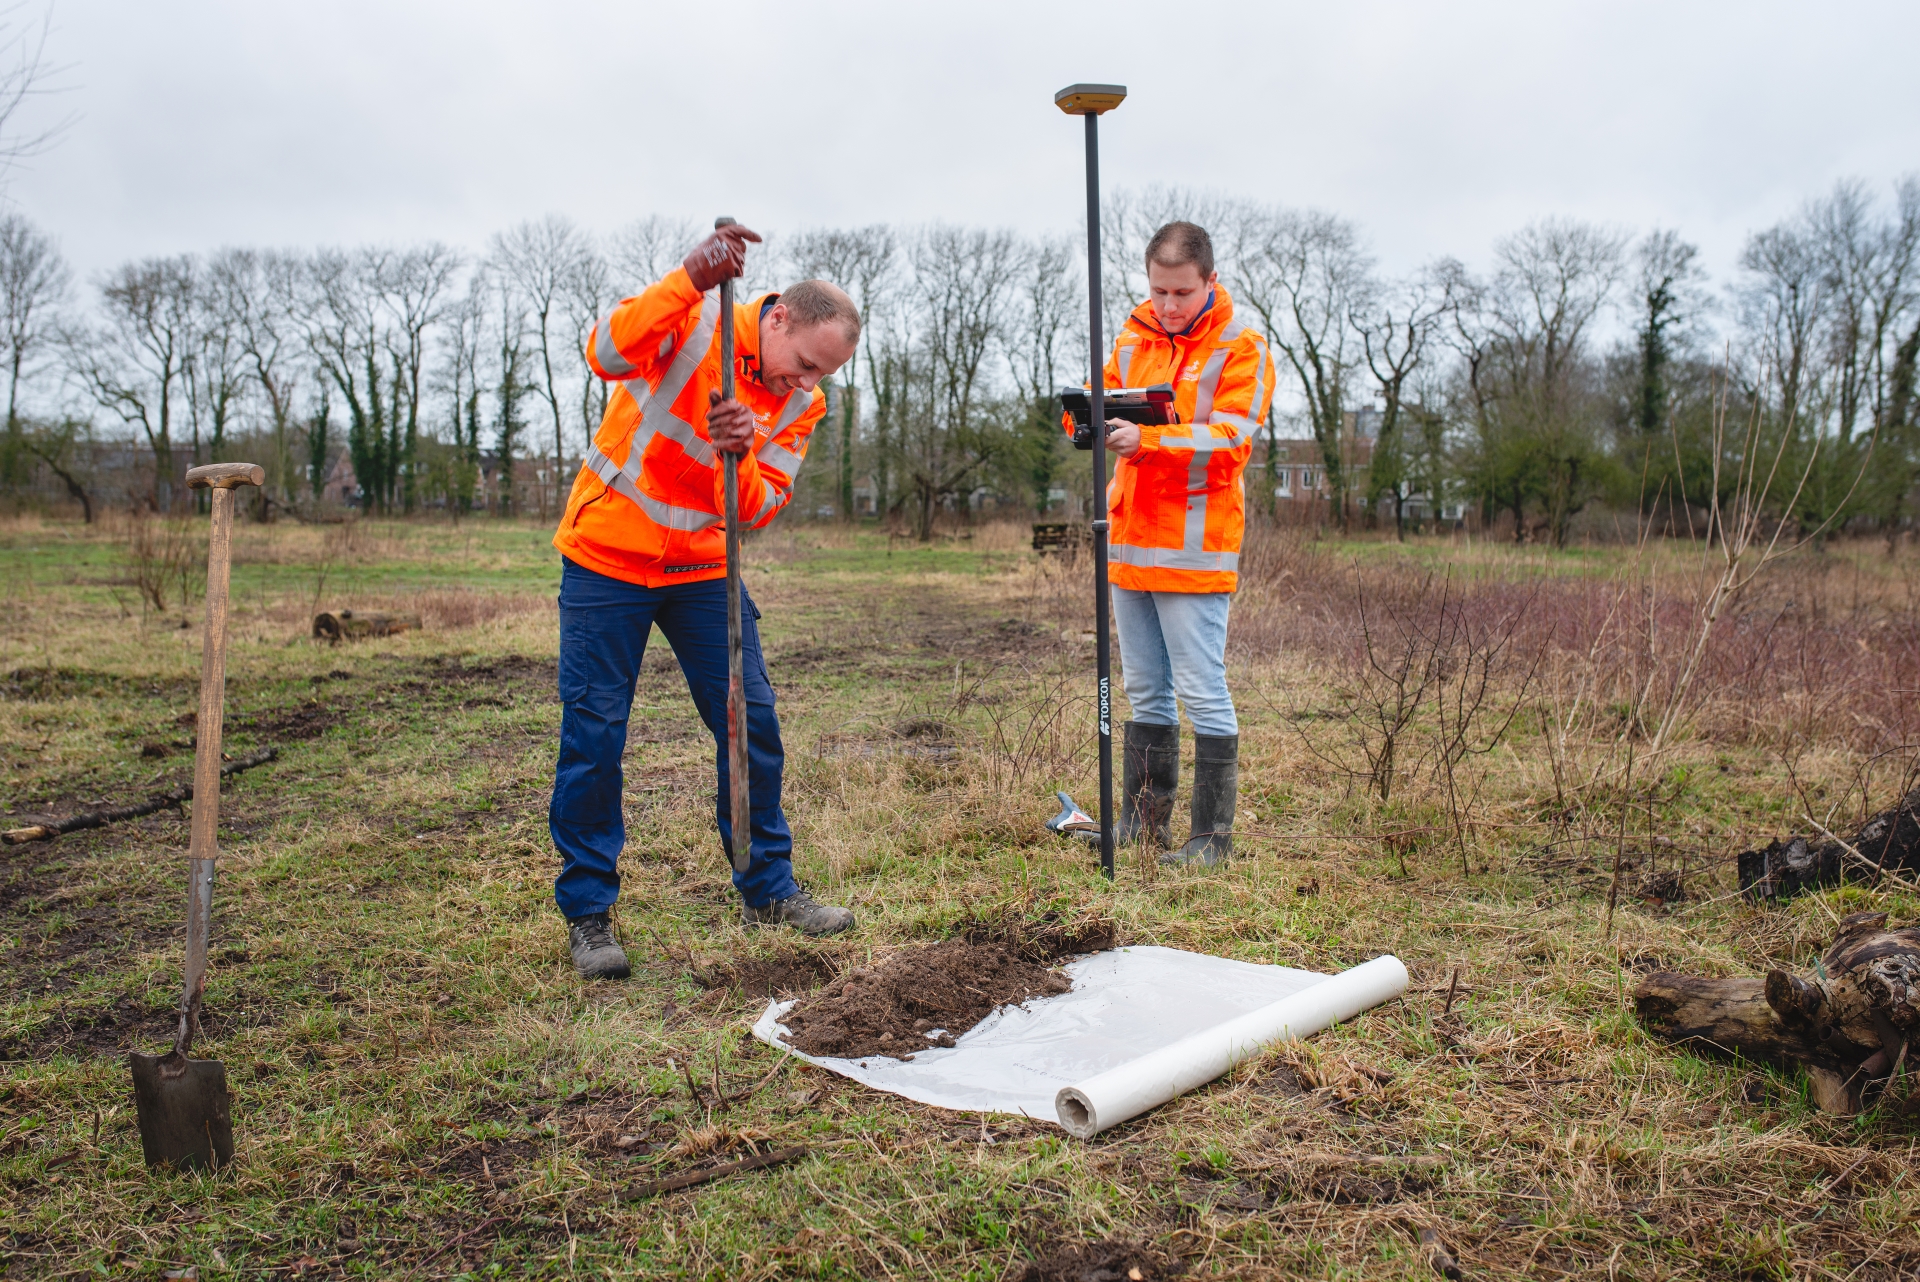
(1190, 372)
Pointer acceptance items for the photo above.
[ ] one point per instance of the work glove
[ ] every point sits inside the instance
(720, 256)
(729, 425)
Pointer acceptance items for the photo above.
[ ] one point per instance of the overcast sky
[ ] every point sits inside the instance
(1437, 126)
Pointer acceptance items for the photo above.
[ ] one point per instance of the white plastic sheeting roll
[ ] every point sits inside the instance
(1087, 1108)
(1127, 1005)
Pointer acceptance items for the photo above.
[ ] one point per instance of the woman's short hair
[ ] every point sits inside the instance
(1181, 242)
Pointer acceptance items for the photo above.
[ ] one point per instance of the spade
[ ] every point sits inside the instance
(186, 1115)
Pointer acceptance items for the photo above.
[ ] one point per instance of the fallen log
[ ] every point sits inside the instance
(1887, 845)
(345, 625)
(117, 814)
(1850, 1024)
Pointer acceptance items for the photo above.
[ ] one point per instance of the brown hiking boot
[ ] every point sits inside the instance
(801, 911)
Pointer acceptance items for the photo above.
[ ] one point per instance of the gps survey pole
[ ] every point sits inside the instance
(1090, 101)
(741, 807)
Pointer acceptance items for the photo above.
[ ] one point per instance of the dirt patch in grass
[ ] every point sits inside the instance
(892, 1008)
(785, 974)
(508, 672)
(1047, 938)
(46, 684)
(1108, 1260)
(308, 720)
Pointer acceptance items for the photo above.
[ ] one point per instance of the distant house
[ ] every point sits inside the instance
(341, 485)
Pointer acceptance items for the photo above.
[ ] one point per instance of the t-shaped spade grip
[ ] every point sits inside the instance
(225, 476)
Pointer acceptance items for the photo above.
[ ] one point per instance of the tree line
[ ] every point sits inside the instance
(1583, 365)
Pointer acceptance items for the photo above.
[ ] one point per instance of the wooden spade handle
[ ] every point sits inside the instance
(224, 476)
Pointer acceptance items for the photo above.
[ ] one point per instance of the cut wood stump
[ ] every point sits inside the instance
(1850, 1024)
(345, 625)
(1886, 847)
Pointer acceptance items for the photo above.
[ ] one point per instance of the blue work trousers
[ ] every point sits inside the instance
(604, 623)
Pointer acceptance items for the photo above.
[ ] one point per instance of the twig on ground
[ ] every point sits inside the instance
(687, 1179)
(116, 814)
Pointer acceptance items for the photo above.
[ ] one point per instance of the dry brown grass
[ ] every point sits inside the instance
(424, 1088)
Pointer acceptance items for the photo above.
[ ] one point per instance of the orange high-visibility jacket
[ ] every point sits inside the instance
(648, 504)
(1177, 506)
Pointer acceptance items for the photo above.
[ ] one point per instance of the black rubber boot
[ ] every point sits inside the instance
(1149, 775)
(1216, 779)
(596, 953)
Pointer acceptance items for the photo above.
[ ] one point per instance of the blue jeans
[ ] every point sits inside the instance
(604, 624)
(1175, 643)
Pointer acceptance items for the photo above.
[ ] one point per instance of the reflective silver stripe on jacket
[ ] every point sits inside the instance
(1192, 553)
(663, 513)
(611, 361)
(1173, 558)
(655, 405)
(1124, 354)
(656, 416)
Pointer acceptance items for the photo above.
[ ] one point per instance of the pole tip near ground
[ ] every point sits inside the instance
(1089, 100)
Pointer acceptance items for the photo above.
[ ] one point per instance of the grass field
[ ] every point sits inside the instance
(423, 1087)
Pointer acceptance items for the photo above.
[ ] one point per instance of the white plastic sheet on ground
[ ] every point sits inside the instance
(1137, 1028)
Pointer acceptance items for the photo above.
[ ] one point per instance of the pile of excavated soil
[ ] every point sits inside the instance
(891, 1008)
(1109, 1260)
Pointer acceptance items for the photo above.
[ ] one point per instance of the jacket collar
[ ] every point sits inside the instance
(1206, 325)
(746, 334)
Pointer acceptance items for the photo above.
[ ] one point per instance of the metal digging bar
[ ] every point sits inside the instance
(185, 1113)
(740, 798)
(1090, 101)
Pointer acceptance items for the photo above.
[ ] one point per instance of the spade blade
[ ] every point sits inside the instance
(186, 1116)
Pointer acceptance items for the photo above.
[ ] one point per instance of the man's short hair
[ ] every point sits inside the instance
(815, 302)
(1178, 243)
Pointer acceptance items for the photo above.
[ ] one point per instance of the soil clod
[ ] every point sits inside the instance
(891, 1008)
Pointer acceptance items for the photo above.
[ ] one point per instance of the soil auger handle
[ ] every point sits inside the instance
(741, 809)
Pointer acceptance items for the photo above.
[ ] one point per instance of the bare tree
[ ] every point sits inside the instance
(1052, 302)
(216, 369)
(23, 52)
(645, 250)
(960, 284)
(259, 292)
(465, 337)
(1305, 274)
(1535, 388)
(861, 260)
(413, 285)
(1397, 326)
(134, 365)
(589, 295)
(510, 386)
(343, 318)
(1667, 281)
(34, 284)
(539, 261)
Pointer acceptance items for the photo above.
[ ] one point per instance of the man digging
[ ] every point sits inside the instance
(643, 545)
